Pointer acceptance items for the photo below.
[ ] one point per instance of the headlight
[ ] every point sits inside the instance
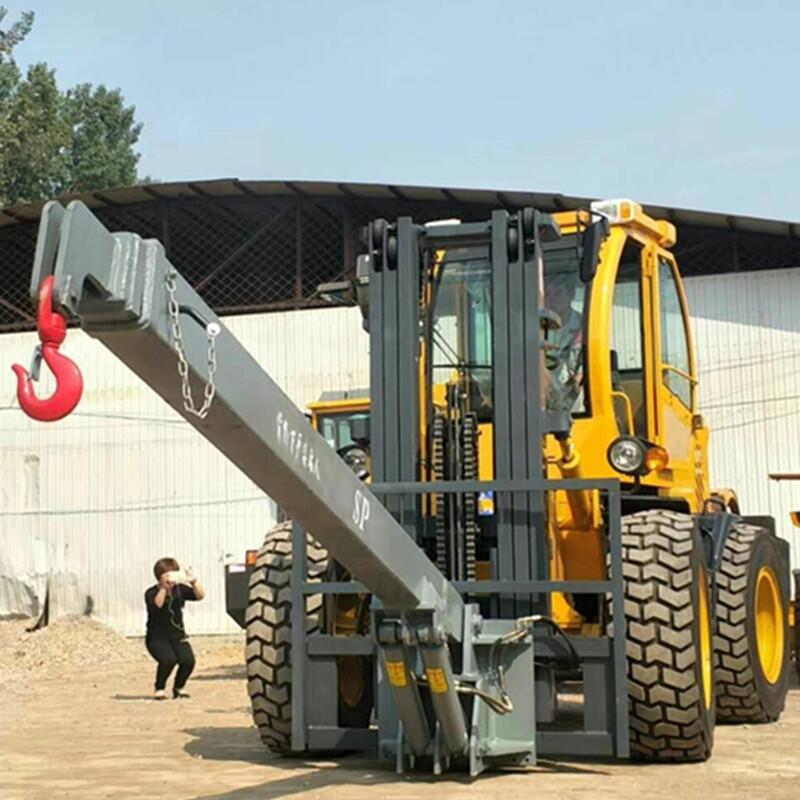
(357, 458)
(627, 455)
(632, 456)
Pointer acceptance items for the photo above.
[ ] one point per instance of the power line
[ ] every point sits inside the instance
(705, 407)
(749, 361)
(752, 422)
(125, 509)
(112, 415)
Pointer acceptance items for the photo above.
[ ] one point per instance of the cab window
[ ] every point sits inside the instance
(674, 343)
(627, 343)
(565, 294)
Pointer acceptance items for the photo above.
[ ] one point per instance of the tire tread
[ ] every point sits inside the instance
(269, 629)
(666, 712)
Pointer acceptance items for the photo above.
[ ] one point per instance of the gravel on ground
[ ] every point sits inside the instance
(73, 727)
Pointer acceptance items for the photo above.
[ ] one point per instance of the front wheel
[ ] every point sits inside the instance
(668, 638)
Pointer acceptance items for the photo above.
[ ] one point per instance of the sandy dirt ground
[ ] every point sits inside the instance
(73, 730)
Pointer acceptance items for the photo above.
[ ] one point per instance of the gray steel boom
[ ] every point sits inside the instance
(116, 285)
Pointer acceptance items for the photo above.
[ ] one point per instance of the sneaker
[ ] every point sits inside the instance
(160, 695)
(180, 694)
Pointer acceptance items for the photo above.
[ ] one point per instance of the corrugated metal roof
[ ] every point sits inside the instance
(548, 201)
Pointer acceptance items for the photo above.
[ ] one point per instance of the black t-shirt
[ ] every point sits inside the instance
(167, 622)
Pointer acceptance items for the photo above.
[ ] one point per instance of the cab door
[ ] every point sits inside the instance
(675, 376)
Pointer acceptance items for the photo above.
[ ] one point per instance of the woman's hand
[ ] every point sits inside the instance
(199, 591)
(164, 590)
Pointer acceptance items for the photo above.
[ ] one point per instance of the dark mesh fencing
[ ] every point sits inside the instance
(16, 260)
(241, 254)
(704, 251)
(253, 253)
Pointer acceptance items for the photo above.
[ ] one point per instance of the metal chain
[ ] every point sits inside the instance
(212, 331)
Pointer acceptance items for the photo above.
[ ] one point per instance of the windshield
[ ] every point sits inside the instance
(337, 430)
(462, 325)
(461, 329)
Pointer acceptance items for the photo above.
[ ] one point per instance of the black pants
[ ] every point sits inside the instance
(168, 653)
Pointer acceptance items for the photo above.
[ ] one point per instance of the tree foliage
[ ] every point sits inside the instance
(54, 141)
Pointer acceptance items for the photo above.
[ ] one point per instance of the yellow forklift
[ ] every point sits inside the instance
(706, 589)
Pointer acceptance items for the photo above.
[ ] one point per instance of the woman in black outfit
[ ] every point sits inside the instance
(167, 641)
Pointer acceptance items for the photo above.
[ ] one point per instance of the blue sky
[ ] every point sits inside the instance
(682, 103)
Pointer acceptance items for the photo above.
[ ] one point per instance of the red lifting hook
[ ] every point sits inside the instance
(69, 382)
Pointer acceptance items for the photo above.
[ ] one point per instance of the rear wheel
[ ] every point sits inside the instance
(269, 638)
(668, 643)
(752, 628)
(269, 632)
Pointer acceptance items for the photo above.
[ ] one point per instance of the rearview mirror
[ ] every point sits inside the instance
(593, 238)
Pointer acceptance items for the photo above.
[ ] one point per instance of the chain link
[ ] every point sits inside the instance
(212, 331)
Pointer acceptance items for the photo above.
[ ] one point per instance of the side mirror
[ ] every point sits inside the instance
(593, 238)
(363, 264)
(337, 293)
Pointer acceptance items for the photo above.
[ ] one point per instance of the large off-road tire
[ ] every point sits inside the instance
(668, 639)
(269, 632)
(751, 636)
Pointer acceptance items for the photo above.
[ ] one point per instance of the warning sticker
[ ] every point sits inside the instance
(396, 670)
(436, 680)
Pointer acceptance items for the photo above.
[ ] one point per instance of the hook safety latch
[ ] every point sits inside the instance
(52, 327)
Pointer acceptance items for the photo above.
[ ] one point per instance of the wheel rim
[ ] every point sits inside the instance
(705, 643)
(769, 624)
(350, 619)
(352, 680)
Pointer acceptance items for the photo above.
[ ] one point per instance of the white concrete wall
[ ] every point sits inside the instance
(747, 337)
(89, 503)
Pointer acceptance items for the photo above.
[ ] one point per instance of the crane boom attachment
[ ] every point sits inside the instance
(127, 295)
